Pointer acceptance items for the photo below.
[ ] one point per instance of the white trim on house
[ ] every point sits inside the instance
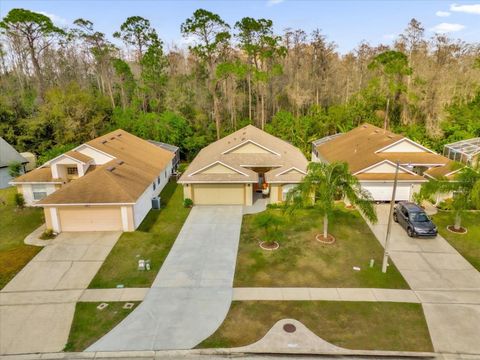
(94, 148)
(59, 156)
(405, 139)
(218, 162)
(380, 163)
(55, 220)
(34, 182)
(83, 204)
(124, 212)
(252, 142)
(292, 168)
(218, 182)
(447, 174)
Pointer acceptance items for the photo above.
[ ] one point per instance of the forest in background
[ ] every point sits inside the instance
(60, 87)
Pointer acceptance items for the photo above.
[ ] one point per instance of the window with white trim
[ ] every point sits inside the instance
(39, 191)
(285, 189)
(72, 170)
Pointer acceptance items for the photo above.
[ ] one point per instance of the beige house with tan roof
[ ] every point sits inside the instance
(372, 154)
(249, 161)
(106, 184)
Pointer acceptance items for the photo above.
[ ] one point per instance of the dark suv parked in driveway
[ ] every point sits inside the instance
(413, 219)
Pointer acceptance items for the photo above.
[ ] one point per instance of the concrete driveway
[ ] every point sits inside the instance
(436, 271)
(60, 272)
(192, 292)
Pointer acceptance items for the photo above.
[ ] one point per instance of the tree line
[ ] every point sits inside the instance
(60, 86)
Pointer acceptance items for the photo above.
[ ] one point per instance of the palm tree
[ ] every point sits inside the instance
(325, 183)
(465, 188)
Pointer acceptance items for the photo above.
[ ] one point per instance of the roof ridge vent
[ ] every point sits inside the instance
(120, 162)
(104, 141)
(118, 135)
(111, 168)
(112, 138)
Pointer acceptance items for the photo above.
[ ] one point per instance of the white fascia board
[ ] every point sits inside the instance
(292, 168)
(83, 204)
(218, 162)
(94, 148)
(253, 142)
(35, 182)
(381, 162)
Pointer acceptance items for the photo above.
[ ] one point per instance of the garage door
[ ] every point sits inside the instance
(383, 192)
(90, 219)
(218, 194)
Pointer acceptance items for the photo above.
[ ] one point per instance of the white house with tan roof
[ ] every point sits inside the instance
(106, 184)
(231, 170)
(372, 154)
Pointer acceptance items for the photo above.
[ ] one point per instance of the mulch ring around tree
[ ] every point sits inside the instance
(269, 246)
(330, 239)
(460, 230)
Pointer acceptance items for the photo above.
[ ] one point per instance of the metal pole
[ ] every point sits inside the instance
(389, 225)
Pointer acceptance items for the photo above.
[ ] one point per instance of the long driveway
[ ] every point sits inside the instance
(191, 295)
(438, 273)
(37, 305)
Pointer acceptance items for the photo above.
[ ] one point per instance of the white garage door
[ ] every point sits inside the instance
(90, 219)
(218, 194)
(383, 192)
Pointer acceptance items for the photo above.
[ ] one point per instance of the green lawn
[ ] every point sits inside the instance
(466, 244)
(15, 225)
(301, 261)
(90, 324)
(152, 240)
(353, 325)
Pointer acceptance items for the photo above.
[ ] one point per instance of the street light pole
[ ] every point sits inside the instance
(389, 225)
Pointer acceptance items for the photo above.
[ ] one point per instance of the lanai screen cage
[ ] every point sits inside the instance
(465, 151)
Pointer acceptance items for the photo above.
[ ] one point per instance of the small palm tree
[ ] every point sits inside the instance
(323, 184)
(465, 188)
(269, 223)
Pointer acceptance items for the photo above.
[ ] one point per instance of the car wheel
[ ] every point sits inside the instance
(410, 232)
(395, 218)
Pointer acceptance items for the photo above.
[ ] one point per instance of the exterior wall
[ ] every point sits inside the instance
(415, 189)
(59, 167)
(384, 168)
(248, 194)
(250, 148)
(98, 157)
(48, 219)
(275, 193)
(144, 202)
(4, 178)
(187, 191)
(404, 146)
(28, 192)
(218, 169)
(315, 158)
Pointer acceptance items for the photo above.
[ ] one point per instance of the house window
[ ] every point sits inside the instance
(39, 191)
(285, 189)
(72, 170)
(154, 186)
(165, 173)
(158, 180)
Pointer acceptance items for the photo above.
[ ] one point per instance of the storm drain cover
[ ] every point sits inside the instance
(289, 328)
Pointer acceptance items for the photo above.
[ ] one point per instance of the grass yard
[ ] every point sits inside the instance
(152, 240)
(466, 244)
(90, 324)
(353, 325)
(301, 261)
(15, 225)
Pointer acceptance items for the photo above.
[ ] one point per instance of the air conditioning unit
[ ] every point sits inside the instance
(156, 202)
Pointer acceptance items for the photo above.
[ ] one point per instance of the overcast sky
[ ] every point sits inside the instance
(345, 22)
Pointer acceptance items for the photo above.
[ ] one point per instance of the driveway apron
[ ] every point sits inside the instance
(38, 304)
(191, 295)
(435, 270)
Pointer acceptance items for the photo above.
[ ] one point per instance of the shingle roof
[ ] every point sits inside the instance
(122, 180)
(278, 154)
(444, 171)
(9, 155)
(79, 156)
(389, 176)
(41, 175)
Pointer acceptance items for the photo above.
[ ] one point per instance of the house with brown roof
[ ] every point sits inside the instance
(106, 184)
(372, 154)
(232, 170)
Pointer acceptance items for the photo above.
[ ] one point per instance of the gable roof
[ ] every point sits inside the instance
(136, 166)
(361, 147)
(9, 155)
(278, 154)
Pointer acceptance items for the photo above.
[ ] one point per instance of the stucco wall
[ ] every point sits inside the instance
(28, 193)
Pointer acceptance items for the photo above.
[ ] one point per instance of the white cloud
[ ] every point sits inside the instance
(274, 2)
(55, 18)
(442, 13)
(447, 28)
(469, 9)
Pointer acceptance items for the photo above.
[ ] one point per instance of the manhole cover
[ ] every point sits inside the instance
(290, 328)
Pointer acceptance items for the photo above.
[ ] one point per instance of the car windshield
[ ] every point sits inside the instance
(419, 217)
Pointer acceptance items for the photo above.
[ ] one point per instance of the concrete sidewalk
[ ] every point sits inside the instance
(38, 304)
(447, 285)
